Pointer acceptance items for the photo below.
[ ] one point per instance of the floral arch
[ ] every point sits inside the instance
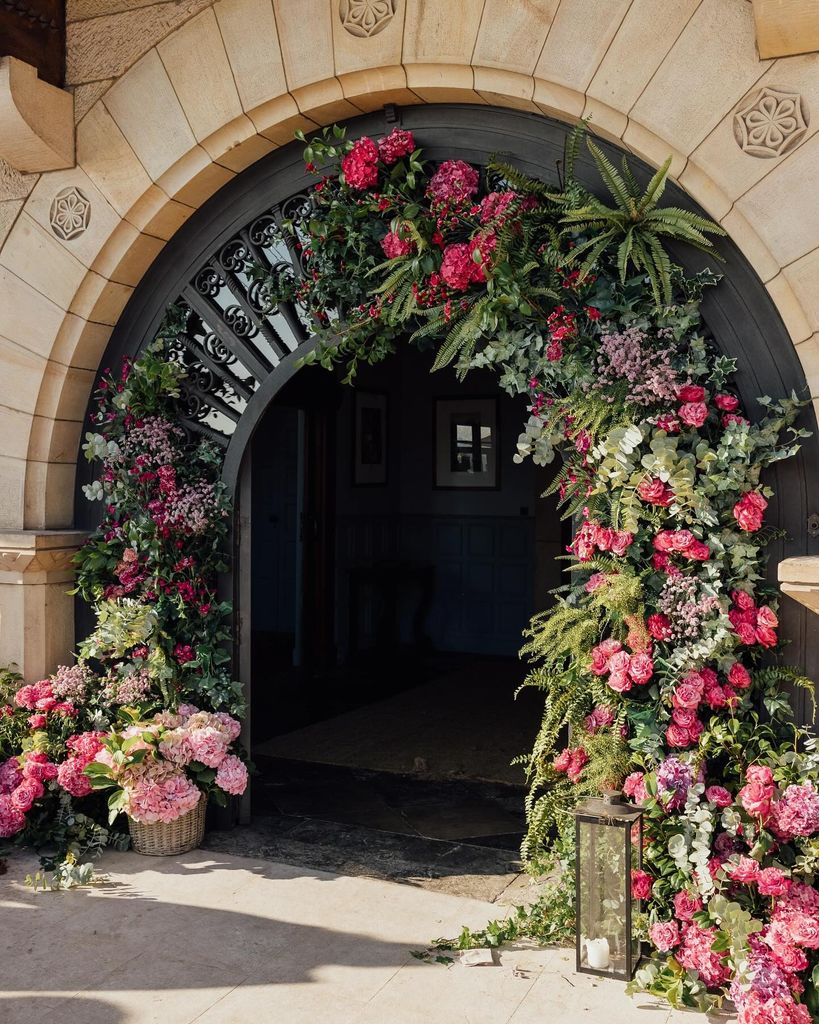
(655, 656)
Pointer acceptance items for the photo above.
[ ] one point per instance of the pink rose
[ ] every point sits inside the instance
(26, 793)
(743, 600)
(641, 668)
(756, 798)
(684, 717)
(669, 423)
(620, 682)
(699, 551)
(693, 414)
(749, 511)
(773, 882)
(677, 736)
(804, 930)
(726, 403)
(619, 662)
(715, 696)
(621, 541)
(745, 870)
(635, 787)
(641, 883)
(655, 492)
(746, 633)
(681, 540)
(37, 721)
(766, 616)
(766, 637)
(760, 773)
(578, 762)
(738, 676)
(665, 935)
(664, 540)
(686, 905)
(719, 796)
(688, 693)
(691, 393)
(729, 418)
(563, 760)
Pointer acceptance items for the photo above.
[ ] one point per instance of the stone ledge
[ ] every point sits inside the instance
(786, 27)
(36, 120)
(799, 579)
(29, 553)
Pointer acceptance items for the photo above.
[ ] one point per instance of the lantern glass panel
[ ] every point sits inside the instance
(608, 850)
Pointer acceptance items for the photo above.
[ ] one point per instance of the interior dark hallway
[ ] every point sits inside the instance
(397, 555)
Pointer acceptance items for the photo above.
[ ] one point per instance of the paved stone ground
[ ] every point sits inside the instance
(217, 939)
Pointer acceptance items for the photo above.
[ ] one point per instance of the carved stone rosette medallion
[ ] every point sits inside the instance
(70, 213)
(771, 123)
(365, 18)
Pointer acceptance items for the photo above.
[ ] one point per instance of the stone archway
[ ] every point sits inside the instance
(181, 114)
(210, 253)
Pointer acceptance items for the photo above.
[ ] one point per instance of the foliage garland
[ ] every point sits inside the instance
(660, 659)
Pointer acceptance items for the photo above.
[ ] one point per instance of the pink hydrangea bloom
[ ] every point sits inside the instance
(360, 165)
(12, 819)
(454, 183)
(208, 746)
(160, 794)
(399, 143)
(232, 775)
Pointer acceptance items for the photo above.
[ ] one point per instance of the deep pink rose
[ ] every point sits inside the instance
(767, 637)
(738, 676)
(681, 540)
(719, 796)
(665, 935)
(664, 541)
(669, 423)
(37, 721)
(691, 393)
(693, 414)
(699, 551)
(804, 930)
(760, 773)
(746, 633)
(655, 492)
(773, 882)
(621, 541)
(749, 511)
(620, 682)
(23, 797)
(641, 668)
(563, 760)
(729, 418)
(726, 403)
(684, 717)
(686, 905)
(746, 871)
(743, 600)
(677, 736)
(641, 883)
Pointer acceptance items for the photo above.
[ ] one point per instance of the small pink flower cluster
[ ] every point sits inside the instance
(753, 624)
(749, 511)
(200, 736)
(572, 761)
(562, 325)
(127, 689)
(628, 356)
(623, 669)
(83, 749)
(591, 537)
(21, 783)
(453, 184)
(70, 683)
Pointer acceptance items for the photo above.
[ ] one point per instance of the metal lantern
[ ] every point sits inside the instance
(609, 835)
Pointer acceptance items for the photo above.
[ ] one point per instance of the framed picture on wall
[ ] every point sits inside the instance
(466, 443)
(369, 439)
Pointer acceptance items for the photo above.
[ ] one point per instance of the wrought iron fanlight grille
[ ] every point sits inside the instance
(225, 329)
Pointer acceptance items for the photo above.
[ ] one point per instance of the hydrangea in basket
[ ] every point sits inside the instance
(161, 771)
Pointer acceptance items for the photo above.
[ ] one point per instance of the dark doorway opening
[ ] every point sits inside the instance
(397, 554)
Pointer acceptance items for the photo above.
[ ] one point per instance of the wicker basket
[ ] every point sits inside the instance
(166, 839)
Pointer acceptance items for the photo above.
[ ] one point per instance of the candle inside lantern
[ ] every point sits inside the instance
(597, 954)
